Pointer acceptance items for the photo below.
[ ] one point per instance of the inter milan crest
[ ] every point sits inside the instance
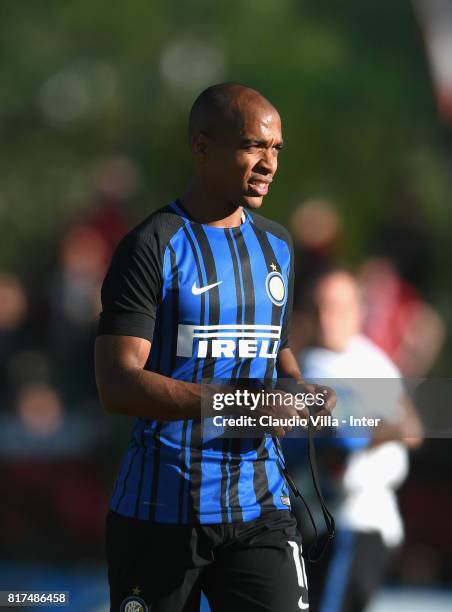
(134, 604)
(275, 286)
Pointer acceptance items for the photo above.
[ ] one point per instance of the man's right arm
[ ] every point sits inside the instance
(125, 387)
(131, 295)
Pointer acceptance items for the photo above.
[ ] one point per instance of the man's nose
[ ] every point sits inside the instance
(268, 162)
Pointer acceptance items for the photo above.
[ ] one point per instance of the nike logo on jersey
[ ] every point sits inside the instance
(198, 290)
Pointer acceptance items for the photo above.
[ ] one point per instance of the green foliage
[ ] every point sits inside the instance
(350, 79)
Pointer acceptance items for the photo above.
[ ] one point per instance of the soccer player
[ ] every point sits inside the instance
(202, 288)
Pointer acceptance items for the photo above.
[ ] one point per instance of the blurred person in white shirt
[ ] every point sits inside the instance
(369, 525)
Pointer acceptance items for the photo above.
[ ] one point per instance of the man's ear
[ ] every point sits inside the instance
(200, 144)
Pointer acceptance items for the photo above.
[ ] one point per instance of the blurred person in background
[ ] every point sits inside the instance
(83, 256)
(316, 227)
(395, 282)
(397, 319)
(13, 319)
(75, 297)
(51, 428)
(116, 181)
(74, 307)
(13, 312)
(50, 481)
(367, 470)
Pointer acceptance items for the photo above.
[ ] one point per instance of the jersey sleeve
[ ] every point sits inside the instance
(287, 318)
(131, 291)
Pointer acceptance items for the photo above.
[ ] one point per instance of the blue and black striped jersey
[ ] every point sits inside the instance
(215, 303)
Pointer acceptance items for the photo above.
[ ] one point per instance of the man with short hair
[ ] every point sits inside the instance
(202, 288)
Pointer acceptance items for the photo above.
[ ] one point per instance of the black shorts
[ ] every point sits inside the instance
(253, 566)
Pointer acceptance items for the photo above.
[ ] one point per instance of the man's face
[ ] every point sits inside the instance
(241, 160)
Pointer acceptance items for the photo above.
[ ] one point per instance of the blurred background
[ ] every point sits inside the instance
(94, 101)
